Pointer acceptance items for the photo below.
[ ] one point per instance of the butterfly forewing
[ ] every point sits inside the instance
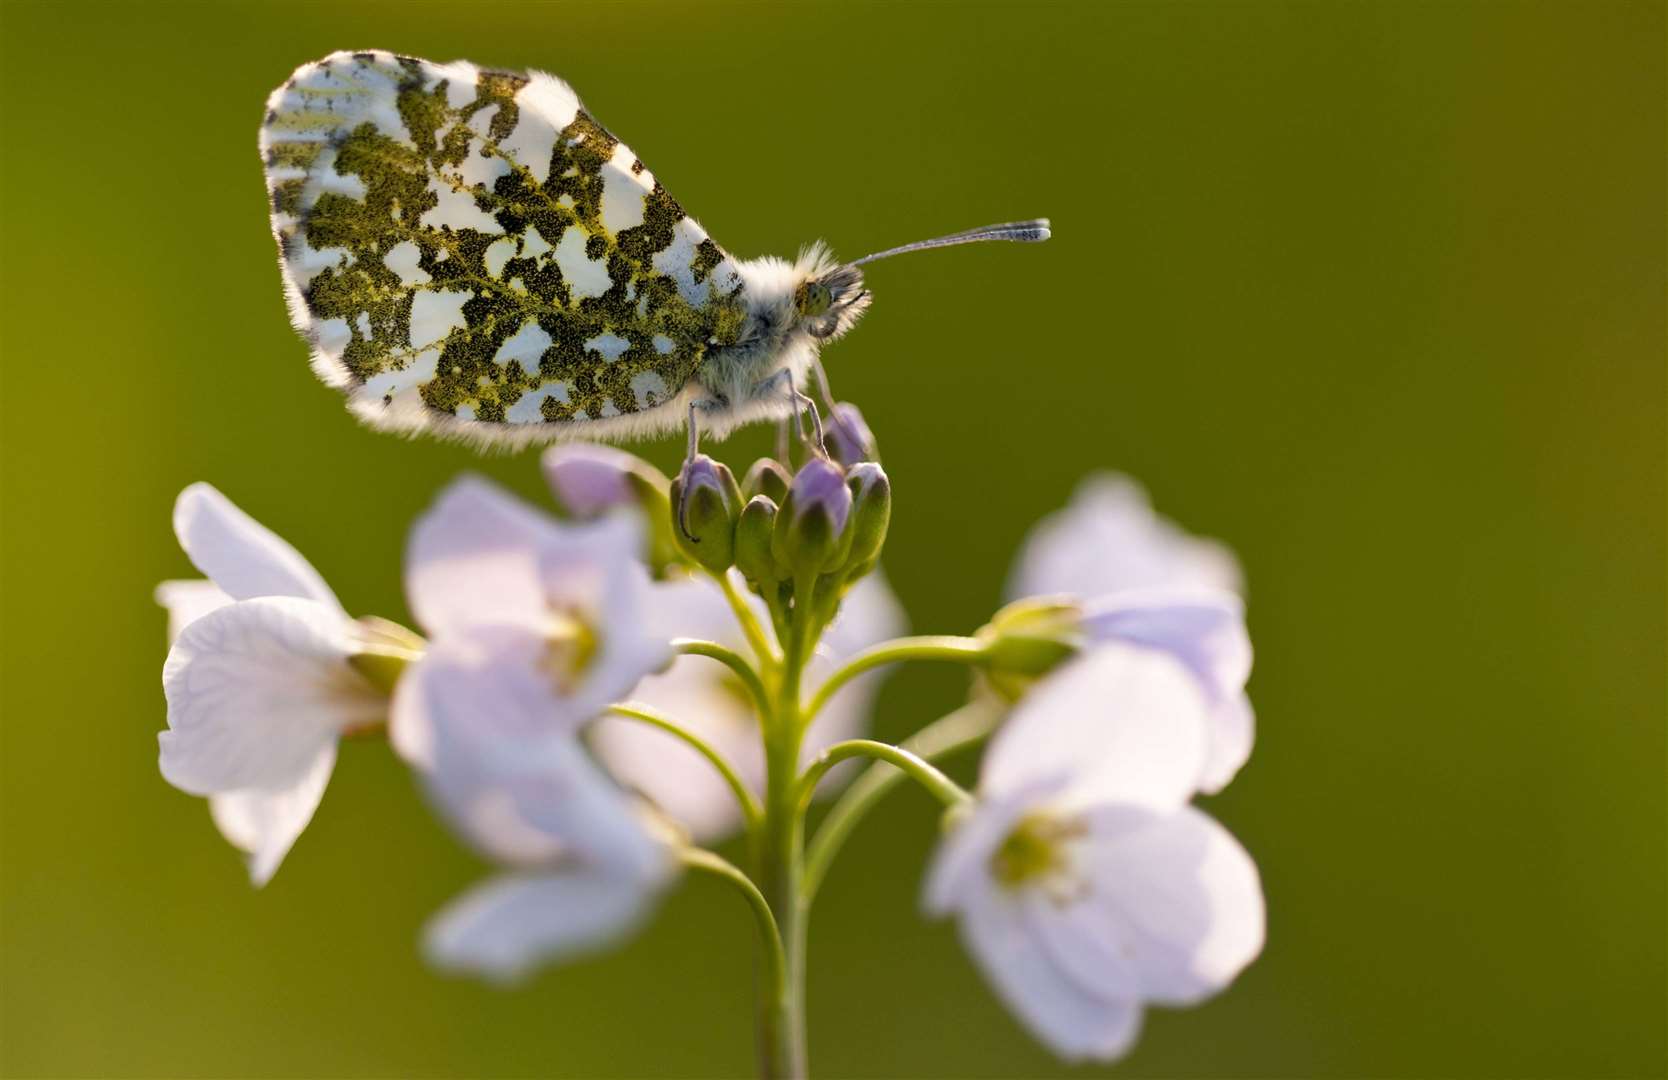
(469, 251)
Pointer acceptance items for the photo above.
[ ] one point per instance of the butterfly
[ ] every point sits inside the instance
(470, 254)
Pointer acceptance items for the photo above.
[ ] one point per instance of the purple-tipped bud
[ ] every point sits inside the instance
(706, 501)
(820, 488)
(588, 479)
(811, 534)
(848, 436)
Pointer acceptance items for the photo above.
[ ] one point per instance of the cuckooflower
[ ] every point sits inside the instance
(585, 864)
(537, 627)
(553, 615)
(705, 697)
(259, 680)
(1084, 884)
(1137, 577)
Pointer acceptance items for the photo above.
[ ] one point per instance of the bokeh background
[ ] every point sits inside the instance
(1374, 291)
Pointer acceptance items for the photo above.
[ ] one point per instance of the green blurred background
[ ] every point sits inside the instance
(1374, 291)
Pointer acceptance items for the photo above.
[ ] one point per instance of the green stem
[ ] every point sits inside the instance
(770, 936)
(782, 1023)
(944, 789)
(732, 660)
(633, 710)
(965, 727)
(962, 650)
(750, 626)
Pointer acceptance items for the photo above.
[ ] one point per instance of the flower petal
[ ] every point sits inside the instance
(239, 554)
(1233, 728)
(1183, 894)
(510, 925)
(1063, 1013)
(1126, 724)
(502, 763)
(1205, 630)
(266, 823)
(188, 601)
(1110, 539)
(473, 557)
(589, 478)
(256, 690)
(961, 865)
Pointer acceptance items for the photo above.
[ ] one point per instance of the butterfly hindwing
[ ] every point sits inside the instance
(470, 252)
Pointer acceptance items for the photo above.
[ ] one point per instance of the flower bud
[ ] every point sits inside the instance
(705, 503)
(767, 477)
(811, 535)
(848, 436)
(1028, 639)
(871, 513)
(753, 532)
(589, 480)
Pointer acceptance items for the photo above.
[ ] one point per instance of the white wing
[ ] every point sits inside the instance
(468, 252)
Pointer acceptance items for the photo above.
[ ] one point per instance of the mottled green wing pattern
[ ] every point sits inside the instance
(470, 252)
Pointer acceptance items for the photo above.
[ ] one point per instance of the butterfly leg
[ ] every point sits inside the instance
(802, 404)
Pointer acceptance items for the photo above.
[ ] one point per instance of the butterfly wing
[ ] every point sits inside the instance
(470, 253)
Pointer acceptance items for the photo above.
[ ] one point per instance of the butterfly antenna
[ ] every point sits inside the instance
(1026, 232)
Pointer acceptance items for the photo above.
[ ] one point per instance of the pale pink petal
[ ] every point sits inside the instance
(1066, 1015)
(240, 555)
(512, 924)
(473, 557)
(1183, 895)
(503, 762)
(1233, 728)
(188, 601)
(1126, 724)
(266, 823)
(961, 865)
(1110, 539)
(588, 478)
(256, 690)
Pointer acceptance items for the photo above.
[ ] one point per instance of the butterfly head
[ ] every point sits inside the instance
(830, 302)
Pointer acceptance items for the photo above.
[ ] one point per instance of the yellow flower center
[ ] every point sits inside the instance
(572, 644)
(1035, 852)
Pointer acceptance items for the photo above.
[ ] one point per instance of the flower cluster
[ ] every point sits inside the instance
(598, 695)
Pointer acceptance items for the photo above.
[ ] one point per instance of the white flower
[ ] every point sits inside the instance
(554, 616)
(536, 628)
(709, 700)
(258, 683)
(1141, 579)
(1084, 884)
(585, 864)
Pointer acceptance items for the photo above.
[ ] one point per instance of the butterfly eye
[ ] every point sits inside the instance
(812, 299)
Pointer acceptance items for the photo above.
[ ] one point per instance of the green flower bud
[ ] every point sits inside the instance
(871, 513)
(754, 557)
(1028, 639)
(767, 477)
(811, 535)
(705, 505)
